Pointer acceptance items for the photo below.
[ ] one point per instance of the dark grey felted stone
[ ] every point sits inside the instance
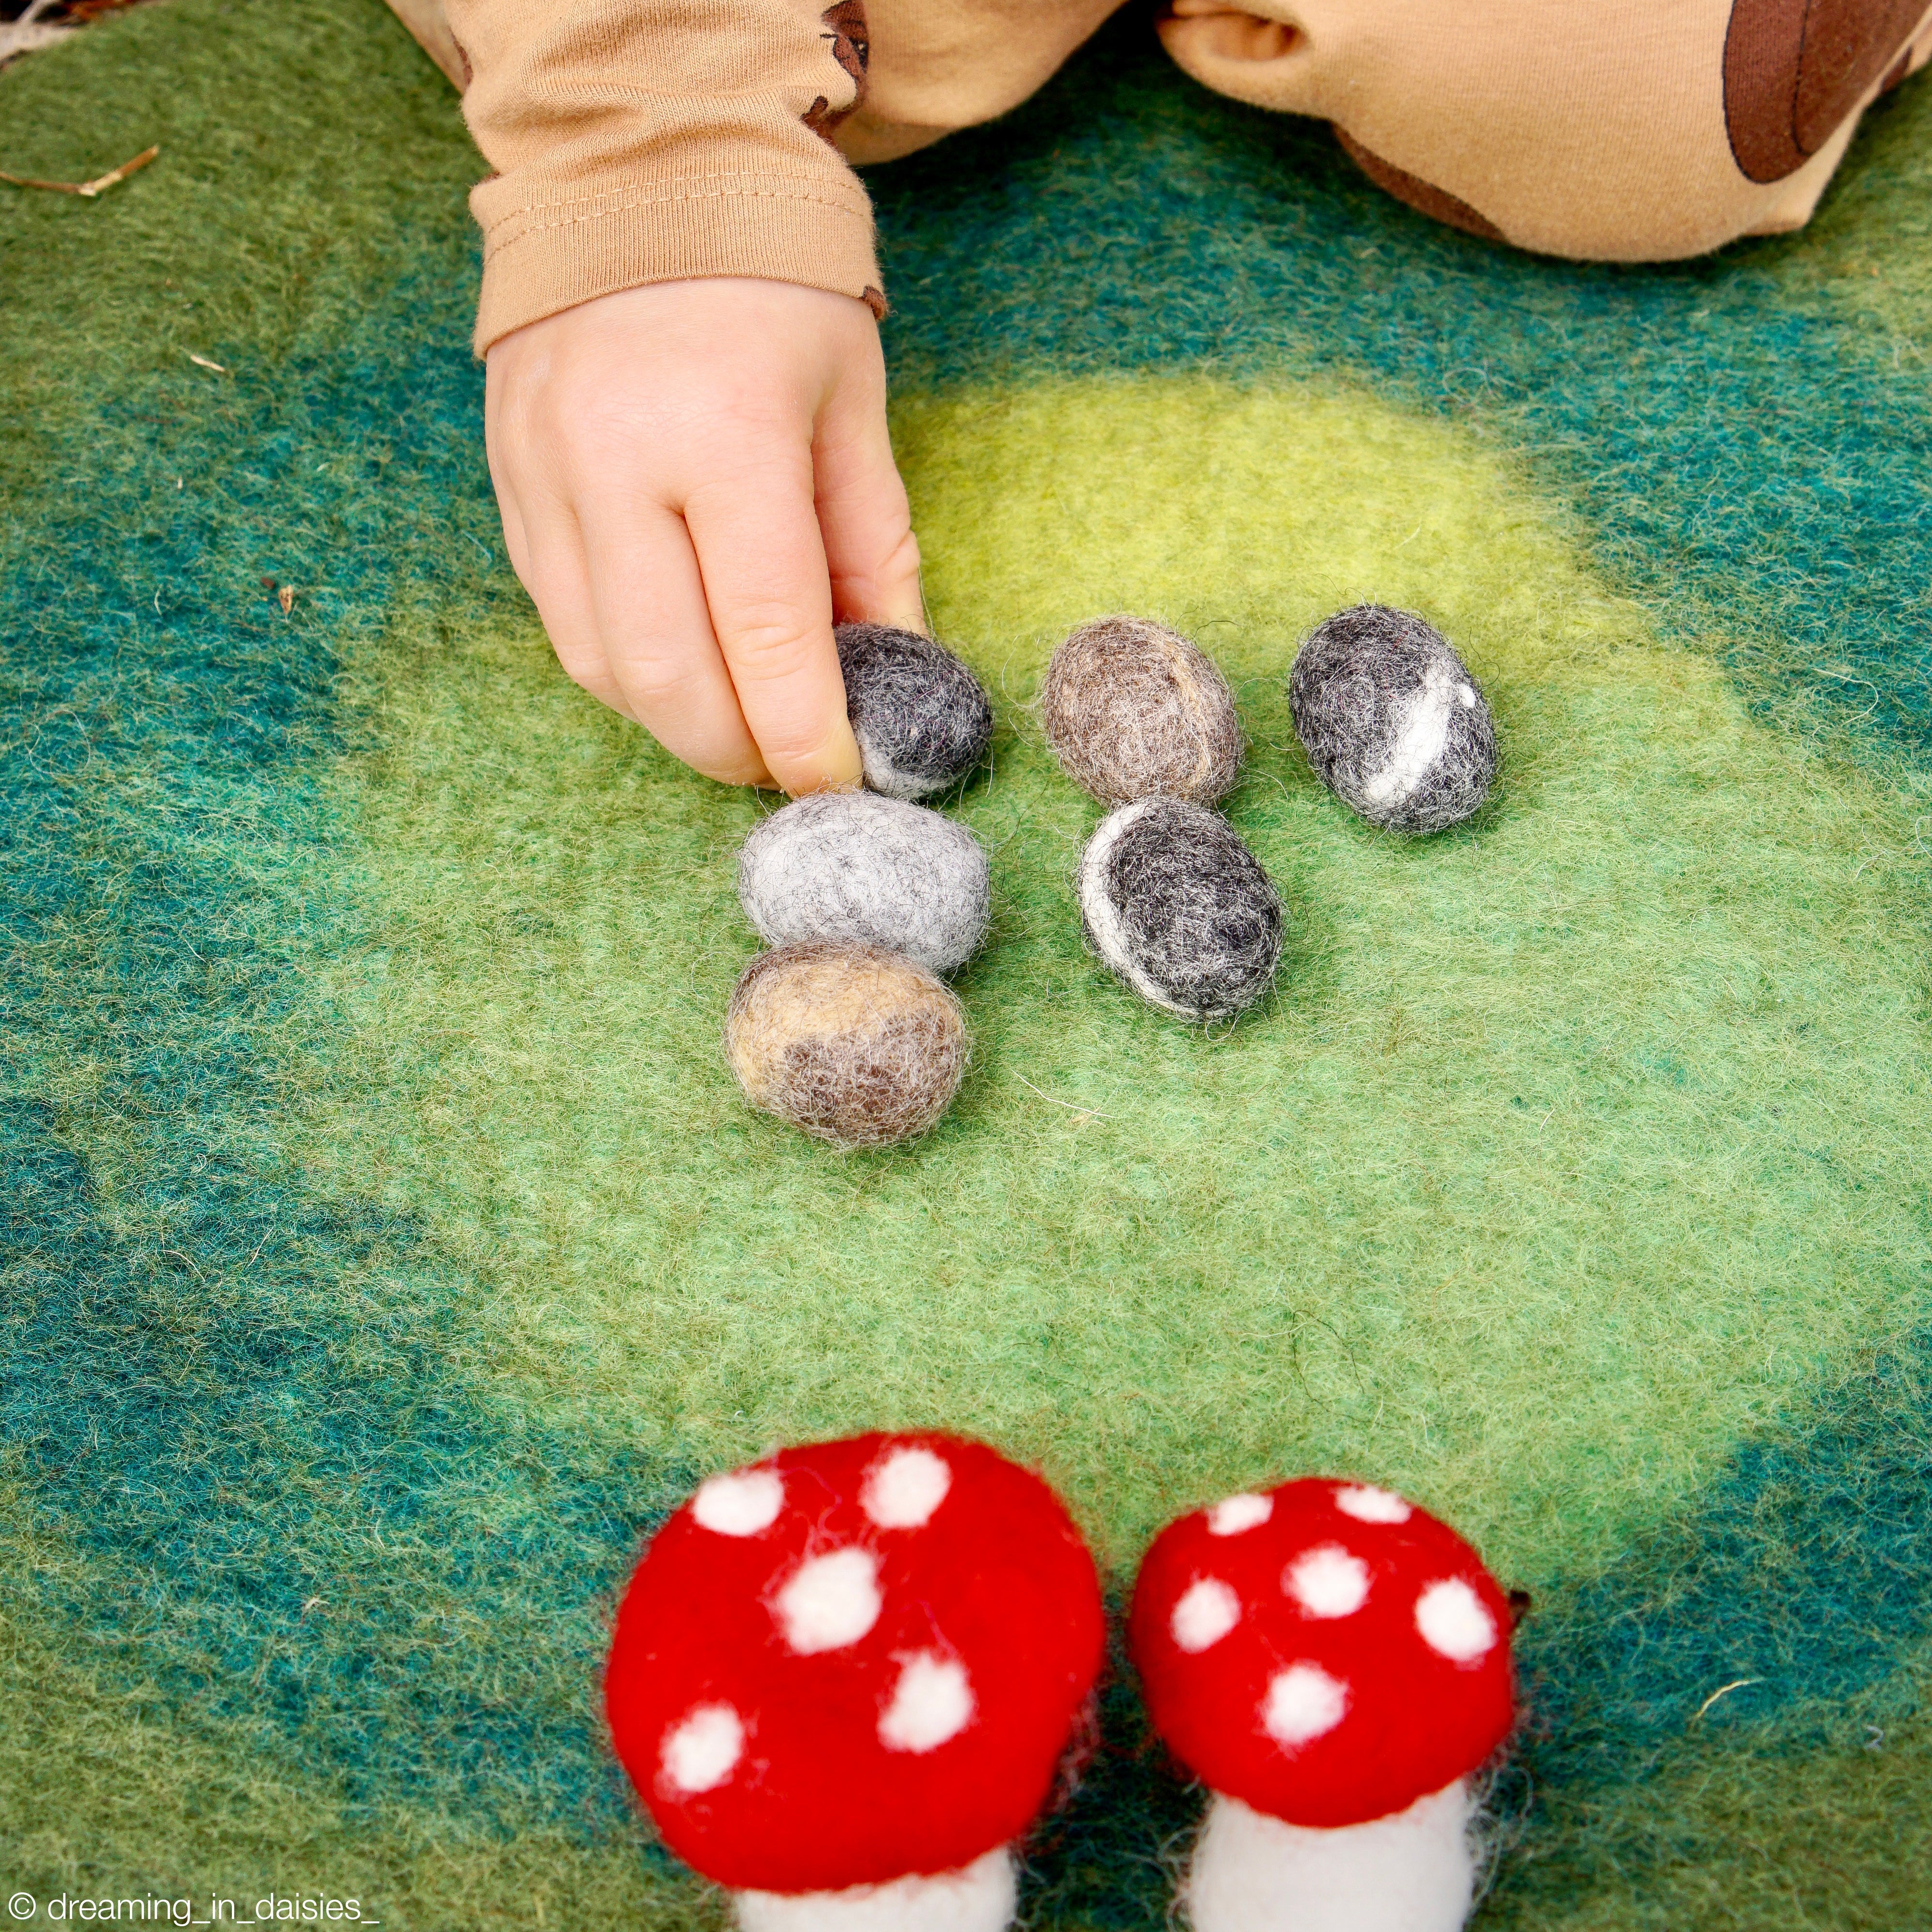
(922, 720)
(1178, 907)
(1391, 720)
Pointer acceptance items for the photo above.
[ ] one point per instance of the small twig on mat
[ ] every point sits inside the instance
(1737, 1684)
(203, 362)
(87, 190)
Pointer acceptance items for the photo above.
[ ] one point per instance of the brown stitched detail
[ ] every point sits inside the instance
(1794, 69)
(495, 242)
(852, 48)
(530, 208)
(1425, 197)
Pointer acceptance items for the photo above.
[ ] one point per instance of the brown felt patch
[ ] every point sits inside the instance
(1794, 69)
(852, 48)
(1425, 197)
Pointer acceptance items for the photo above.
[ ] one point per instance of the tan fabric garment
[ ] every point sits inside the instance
(637, 141)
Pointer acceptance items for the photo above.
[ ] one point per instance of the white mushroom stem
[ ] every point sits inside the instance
(1414, 1871)
(981, 1898)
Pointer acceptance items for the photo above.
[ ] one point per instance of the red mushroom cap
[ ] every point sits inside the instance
(1326, 1653)
(854, 1662)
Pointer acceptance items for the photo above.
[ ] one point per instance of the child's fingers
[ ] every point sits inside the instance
(548, 553)
(863, 514)
(657, 639)
(762, 562)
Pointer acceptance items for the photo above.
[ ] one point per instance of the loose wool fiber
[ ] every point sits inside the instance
(1391, 720)
(863, 870)
(1180, 908)
(922, 720)
(856, 1044)
(1132, 710)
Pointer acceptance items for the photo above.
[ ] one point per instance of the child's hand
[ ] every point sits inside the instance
(693, 476)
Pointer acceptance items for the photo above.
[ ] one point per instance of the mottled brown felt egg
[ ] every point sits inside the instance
(1133, 710)
(857, 1045)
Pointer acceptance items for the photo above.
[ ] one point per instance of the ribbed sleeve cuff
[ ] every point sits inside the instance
(541, 257)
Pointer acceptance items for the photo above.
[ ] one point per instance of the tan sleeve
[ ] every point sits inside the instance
(638, 141)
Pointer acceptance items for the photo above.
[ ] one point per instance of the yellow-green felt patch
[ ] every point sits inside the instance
(1571, 1143)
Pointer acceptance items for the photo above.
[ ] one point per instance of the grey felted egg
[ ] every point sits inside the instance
(1133, 710)
(1178, 907)
(857, 1045)
(1391, 720)
(863, 870)
(922, 720)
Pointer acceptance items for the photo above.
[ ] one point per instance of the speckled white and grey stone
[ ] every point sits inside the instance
(1178, 907)
(859, 869)
(922, 720)
(1391, 720)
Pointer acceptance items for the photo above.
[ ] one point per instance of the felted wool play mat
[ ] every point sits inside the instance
(388, 1248)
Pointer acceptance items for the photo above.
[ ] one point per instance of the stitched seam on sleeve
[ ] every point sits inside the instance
(498, 242)
(671, 188)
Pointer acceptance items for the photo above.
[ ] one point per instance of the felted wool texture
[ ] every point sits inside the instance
(531, 1080)
(923, 722)
(1179, 908)
(383, 1228)
(1132, 710)
(815, 1687)
(858, 1045)
(1413, 1872)
(1392, 722)
(860, 869)
(1324, 1651)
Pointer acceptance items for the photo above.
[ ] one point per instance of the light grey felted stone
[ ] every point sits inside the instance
(1133, 710)
(1176, 904)
(922, 720)
(1391, 720)
(863, 870)
(857, 1045)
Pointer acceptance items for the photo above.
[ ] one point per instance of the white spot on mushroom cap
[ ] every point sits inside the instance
(902, 1491)
(703, 1750)
(1327, 1581)
(1233, 1514)
(932, 1702)
(741, 1504)
(829, 1601)
(1455, 1620)
(1367, 1504)
(1303, 1702)
(1208, 1610)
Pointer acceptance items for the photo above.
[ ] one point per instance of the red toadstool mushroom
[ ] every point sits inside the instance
(1332, 1663)
(843, 1680)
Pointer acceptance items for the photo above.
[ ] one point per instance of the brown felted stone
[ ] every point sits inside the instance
(1133, 710)
(858, 1045)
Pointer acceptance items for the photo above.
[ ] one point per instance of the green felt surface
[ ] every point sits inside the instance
(386, 1245)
